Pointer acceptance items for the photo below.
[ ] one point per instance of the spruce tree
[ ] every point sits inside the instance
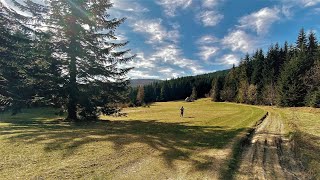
(216, 89)
(301, 42)
(194, 94)
(18, 60)
(243, 81)
(84, 42)
(230, 86)
(257, 76)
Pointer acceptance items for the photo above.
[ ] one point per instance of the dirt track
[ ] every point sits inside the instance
(269, 156)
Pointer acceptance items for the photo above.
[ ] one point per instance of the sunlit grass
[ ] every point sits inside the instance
(152, 142)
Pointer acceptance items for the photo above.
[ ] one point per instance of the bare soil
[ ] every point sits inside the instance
(269, 155)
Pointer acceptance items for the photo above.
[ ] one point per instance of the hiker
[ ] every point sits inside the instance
(181, 111)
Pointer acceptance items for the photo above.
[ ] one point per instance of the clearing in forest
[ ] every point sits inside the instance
(150, 142)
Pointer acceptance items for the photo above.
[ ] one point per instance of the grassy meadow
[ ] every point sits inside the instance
(303, 130)
(153, 142)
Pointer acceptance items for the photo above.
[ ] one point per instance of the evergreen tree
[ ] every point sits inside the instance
(17, 60)
(312, 48)
(164, 92)
(291, 89)
(84, 43)
(243, 81)
(257, 76)
(217, 85)
(194, 94)
(301, 42)
(312, 82)
(230, 86)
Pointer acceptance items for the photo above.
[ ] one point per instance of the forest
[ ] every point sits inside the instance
(287, 75)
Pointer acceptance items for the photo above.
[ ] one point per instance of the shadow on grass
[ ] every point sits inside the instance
(175, 141)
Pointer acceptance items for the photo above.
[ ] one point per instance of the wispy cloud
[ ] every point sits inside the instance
(167, 61)
(170, 6)
(261, 20)
(229, 59)
(206, 52)
(207, 39)
(209, 18)
(304, 3)
(155, 31)
(210, 3)
(142, 74)
(129, 6)
(239, 40)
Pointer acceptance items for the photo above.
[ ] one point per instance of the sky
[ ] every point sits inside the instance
(175, 38)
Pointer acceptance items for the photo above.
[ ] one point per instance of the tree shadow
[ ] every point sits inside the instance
(175, 141)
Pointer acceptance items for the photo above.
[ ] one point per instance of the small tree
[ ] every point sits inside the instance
(194, 94)
(252, 94)
(216, 89)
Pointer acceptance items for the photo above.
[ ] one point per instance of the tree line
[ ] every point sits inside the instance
(287, 75)
(62, 54)
(174, 89)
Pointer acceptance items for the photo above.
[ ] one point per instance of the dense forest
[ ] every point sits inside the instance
(287, 75)
(62, 54)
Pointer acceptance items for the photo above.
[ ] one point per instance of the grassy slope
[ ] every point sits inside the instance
(149, 142)
(303, 128)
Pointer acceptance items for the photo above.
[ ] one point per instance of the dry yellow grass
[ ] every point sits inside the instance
(152, 143)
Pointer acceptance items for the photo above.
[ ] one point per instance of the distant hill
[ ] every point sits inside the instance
(139, 82)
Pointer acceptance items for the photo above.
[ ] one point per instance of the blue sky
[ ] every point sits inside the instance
(174, 38)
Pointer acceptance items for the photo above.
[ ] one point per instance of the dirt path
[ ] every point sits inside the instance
(269, 155)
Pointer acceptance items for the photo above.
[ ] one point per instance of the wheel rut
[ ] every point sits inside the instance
(268, 156)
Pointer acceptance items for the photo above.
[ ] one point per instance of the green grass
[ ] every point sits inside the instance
(149, 142)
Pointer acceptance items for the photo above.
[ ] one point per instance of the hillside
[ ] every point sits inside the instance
(178, 88)
(142, 82)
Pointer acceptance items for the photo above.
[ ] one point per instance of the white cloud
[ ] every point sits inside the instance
(172, 55)
(287, 11)
(142, 74)
(239, 40)
(209, 18)
(209, 3)
(167, 61)
(207, 52)
(261, 20)
(207, 39)
(305, 3)
(293, 4)
(155, 31)
(129, 6)
(230, 59)
(170, 6)
(141, 62)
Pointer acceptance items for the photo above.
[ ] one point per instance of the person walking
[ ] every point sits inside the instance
(181, 111)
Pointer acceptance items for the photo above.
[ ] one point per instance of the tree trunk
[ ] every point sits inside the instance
(72, 87)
